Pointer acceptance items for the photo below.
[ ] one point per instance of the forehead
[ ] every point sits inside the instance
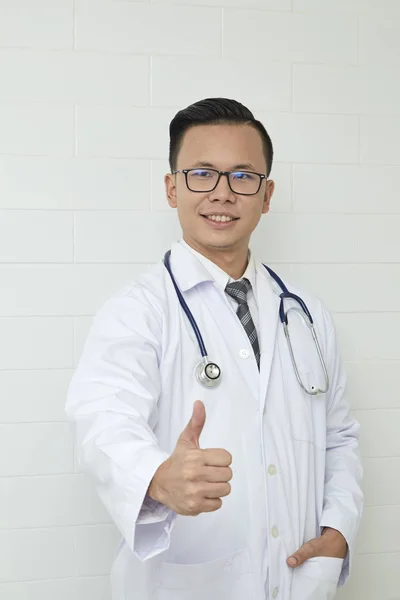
(223, 145)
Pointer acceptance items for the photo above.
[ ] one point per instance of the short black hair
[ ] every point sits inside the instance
(214, 111)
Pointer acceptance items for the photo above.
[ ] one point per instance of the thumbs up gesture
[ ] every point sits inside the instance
(191, 480)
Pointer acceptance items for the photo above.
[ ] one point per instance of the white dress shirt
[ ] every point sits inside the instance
(222, 279)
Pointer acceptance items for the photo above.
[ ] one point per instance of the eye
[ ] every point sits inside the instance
(201, 173)
(243, 176)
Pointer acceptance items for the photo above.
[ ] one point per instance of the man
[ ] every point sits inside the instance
(258, 494)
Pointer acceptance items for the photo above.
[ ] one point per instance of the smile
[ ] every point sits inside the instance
(220, 218)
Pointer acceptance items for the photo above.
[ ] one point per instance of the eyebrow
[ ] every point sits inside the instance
(245, 166)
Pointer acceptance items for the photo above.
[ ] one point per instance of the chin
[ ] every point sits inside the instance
(221, 243)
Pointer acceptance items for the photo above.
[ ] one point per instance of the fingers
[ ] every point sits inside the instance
(218, 490)
(307, 551)
(217, 457)
(211, 505)
(198, 418)
(191, 434)
(215, 474)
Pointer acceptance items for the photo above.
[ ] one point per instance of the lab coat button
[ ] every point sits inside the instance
(275, 592)
(272, 470)
(275, 532)
(244, 353)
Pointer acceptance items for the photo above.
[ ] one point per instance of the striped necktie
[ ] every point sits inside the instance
(238, 290)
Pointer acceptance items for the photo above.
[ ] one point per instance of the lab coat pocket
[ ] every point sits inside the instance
(228, 577)
(316, 579)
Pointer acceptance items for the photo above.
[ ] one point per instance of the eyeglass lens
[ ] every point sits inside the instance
(205, 180)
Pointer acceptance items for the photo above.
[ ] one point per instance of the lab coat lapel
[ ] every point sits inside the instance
(268, 308)
(189, 273)
(232, 332)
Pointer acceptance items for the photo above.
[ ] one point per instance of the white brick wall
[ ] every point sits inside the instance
(87, 90)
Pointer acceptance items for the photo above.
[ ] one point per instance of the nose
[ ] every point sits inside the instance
(223, 192)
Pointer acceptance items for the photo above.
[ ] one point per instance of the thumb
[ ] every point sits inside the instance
(307, 551)
(190, 435)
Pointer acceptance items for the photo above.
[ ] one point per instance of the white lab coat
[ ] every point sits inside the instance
(295, 458)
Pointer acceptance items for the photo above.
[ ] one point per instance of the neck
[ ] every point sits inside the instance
(232, 262)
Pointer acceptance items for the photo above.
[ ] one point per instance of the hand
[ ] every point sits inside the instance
(191, 480)
(331, 543)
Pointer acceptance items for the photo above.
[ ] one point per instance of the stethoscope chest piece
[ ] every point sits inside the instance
(208, 374)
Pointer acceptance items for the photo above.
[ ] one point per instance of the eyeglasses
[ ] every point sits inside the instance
(245, 183)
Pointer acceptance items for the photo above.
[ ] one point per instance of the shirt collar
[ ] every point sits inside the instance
(218, 275)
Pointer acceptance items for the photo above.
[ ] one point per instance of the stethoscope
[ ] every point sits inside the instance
(209, 373)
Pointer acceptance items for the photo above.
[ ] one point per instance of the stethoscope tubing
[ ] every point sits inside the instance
(285, 294)
(185, 307)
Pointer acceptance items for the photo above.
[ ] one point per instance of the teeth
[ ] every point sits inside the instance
(219, 218)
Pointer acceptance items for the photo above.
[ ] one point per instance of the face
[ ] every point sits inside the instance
(223, 147)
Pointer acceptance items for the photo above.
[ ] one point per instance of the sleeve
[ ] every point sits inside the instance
(343, 496)
(112, 401)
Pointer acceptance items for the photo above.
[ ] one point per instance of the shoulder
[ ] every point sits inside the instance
(139, 301)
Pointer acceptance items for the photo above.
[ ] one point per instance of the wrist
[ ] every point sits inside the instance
(155, 489)
(336, 540)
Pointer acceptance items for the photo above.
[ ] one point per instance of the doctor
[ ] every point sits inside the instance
(232, 482)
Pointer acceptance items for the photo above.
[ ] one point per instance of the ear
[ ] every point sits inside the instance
(170, 189)
(269, 190)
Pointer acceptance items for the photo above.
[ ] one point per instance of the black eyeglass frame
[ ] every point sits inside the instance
(226, 173)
